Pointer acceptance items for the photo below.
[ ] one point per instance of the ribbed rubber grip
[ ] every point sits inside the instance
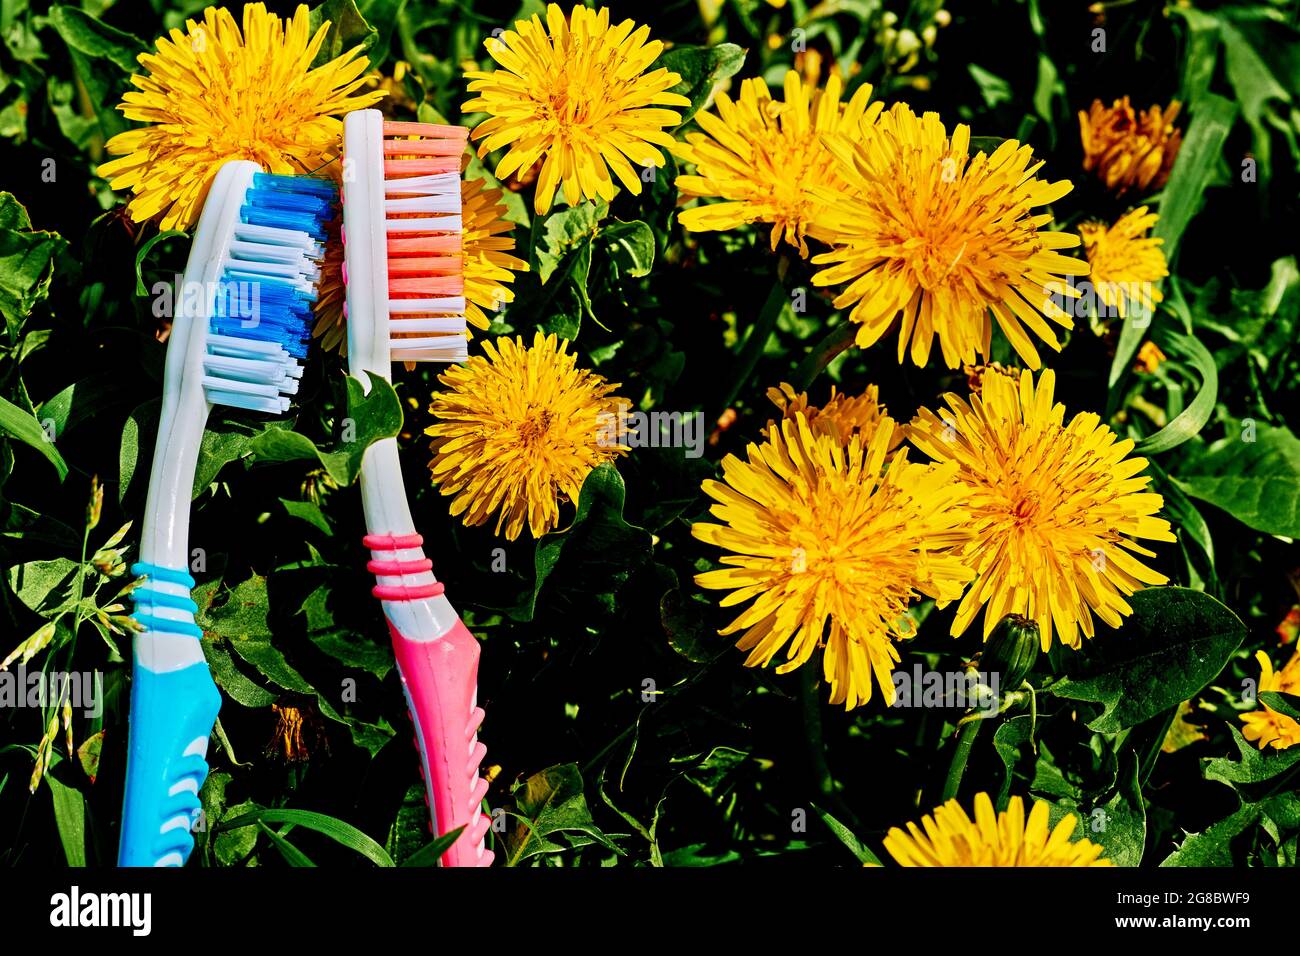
(440, 678)
(172, 715)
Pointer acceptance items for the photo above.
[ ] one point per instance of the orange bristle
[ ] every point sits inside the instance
(432, 245)
(426, 286)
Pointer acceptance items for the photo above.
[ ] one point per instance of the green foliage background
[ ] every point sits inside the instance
(621, 728)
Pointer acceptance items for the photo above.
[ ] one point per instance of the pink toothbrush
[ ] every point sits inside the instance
(403, 270)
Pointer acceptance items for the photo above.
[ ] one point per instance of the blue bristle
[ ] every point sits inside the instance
(297, 184)
(284, 310)
(270, 212)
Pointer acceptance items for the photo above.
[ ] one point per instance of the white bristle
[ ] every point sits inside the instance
(435, 185)
(255, 373)
(441, 224)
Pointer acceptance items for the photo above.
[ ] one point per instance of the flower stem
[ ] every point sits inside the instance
(812, 726)
(965, 740)
(759, 333)
(823, 353)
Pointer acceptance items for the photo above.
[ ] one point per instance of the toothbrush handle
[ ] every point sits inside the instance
(174, 706)
(439, 679)
(439, 673)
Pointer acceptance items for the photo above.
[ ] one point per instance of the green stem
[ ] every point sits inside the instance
(965, 740)
(759, 333)
(812, 726)
(823, 353)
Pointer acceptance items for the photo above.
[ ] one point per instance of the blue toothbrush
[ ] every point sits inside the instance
(238, 338)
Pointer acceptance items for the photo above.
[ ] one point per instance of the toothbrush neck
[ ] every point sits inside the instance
(383, 493)
(164, 538)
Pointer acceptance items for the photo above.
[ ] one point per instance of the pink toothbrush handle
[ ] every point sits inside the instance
(440, 679)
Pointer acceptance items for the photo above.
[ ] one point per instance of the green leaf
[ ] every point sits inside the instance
(26, 263)
(1175, 642)
(103, 59)
(370, 418)
(549, 804)
(430, 854)
(69, 815)
(309, 512)
(80, 402)
(345, 644)
(337, 830)
(993, 88)
(1212, 848)
(1254, 766)
(1119, 824)
(1254, 475)
(240, 616)
(291, 854)
(143, 251)
(562, 254)
(233, 846)
(1189, 422)
(43, 585)
(1202, 54)
(23, 426)
(1008, 740)
(630, 247)
(847, 837)
(139, 433)
(1265, 100)
(1198, 158)
(1286, 704)
(606, 546)
(348, 29)
(702, 69)
(224, 440)
(230, 679)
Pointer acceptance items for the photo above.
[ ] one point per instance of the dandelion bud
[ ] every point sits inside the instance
(1012, 650)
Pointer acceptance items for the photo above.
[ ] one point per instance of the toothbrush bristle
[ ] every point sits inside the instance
(422, 212)
(260, 326)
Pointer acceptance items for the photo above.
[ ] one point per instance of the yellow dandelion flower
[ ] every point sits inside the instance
(1267, 727)
(214, 94)
(486, 258)
(517, 431)
(1055, 508)
(832, 545)
(575, 94)
(487, 245)
(1129, 150)
(841, 417)
(1125, 263)
(1148, 358)
(943, 241)
(767, 161)
(951, 838)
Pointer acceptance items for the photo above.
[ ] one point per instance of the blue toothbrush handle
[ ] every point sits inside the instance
(172, 715)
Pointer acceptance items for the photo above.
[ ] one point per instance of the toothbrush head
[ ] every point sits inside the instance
(252, 275)
(402, 230)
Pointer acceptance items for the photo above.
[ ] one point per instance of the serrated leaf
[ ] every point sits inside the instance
(1175, 642)
(370, 418)
(549, 804)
